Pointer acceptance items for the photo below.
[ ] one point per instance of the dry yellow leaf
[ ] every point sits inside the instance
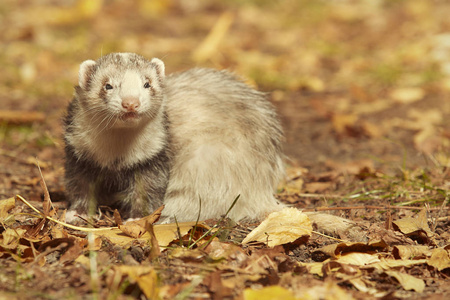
(342, 121)
(357, 258)
(410, 225)
(407, 94)
(85, 261)
(314, 267)
(336, 250)
(5, 206)
(269, 293)
(366, 286)
(145, 276)
(281, 227)
(407, 281)
(132, 229)
(10, 238)
(409, 251)
(440, 259)
(164, 233)
(210, 44)
(328, 291)
(387, 264)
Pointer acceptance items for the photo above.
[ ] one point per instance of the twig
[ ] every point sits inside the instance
(368, 207)
(59, 222)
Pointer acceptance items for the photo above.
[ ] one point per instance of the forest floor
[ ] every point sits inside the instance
(362, 89)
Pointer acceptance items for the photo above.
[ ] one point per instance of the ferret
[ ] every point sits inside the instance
(193, 141)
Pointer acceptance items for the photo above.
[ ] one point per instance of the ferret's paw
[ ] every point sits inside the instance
(165, 220)
(72, 217)
(131, 220)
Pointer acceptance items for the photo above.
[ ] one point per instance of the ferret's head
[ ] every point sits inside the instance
(121, 89)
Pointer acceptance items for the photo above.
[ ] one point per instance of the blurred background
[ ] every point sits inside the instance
(351, 80)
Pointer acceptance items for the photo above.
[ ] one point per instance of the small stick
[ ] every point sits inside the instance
(368, 207)
(59, 222)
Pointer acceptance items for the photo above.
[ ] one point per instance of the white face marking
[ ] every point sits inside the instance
(129, 88)
(132, 85)
(105, 128)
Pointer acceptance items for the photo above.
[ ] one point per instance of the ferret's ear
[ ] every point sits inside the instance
(159, 66)
(85, 73)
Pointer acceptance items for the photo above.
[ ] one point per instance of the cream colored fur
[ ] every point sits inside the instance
(220, 137)
(224, 138)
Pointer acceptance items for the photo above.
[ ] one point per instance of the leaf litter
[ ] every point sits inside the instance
(365, 112)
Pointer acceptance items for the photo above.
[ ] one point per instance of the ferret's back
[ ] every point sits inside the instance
(226, 141)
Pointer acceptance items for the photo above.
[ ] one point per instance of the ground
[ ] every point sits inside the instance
(361, 88)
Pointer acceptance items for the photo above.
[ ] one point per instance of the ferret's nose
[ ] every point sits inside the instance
(130, 103)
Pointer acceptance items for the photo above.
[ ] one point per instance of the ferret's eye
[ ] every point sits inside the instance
(146, 85)
(108, 86)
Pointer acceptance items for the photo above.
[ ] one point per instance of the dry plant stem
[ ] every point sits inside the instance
(216, 225)
(330, 237)
(436, 219)
(368, 207)
(59, 222)
(47, 252)
(47, 200)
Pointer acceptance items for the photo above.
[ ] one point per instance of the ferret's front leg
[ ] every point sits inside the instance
(80, 187)
(82, 200)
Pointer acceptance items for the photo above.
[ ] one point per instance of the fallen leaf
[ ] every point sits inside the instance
(410, 251)
(210, 44)
(281, 227)
(165, 233)
(269, 293)
(407, 281)
(318, 187)
(412, 225)
(150, 219)
(145, 276)
(358, 259)
(218, 250)
(5, 206)
(132, 229)
(388, 264)
(356, 167)
(336, 250)
(10, 238)
(341, 123)
(155, 251)
(185, 254)
(407, 94)
(440, 259)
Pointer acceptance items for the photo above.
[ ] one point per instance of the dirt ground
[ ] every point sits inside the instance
(361, 88)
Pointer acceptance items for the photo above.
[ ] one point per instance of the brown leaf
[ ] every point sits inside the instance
(210, 44)
(217, 250)
(132, 229)
(410, 226)
(342, 123)
(214, 284)
(407, 281)
(154, 251)
(117, 218)
(281, 227)
(407, 94)
(5, 206)
(440, 259)
(410, 251)
(144, 276)
(318, 187)
(72, 253)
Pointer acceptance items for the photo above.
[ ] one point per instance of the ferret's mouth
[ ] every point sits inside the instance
(129, 116)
